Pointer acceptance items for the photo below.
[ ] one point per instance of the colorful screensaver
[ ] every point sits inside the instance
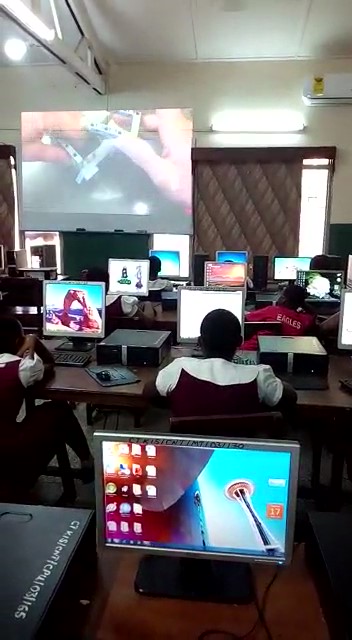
(323, 285)
(230, 501)
(225, 274)
(72, 308)
(239, 257)
(287, 268)
(129, 277)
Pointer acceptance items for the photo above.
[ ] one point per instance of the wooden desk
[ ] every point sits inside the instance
(292, 610)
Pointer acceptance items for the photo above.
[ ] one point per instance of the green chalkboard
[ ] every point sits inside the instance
(82, 250)
(340, 241)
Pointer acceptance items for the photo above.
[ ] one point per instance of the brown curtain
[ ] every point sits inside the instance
(249, 199)
(7, 197)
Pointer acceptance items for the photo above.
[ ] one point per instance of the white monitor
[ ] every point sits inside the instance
(345, 325)
(73, 309)
(194, 303)
(129, 277)
(349, 272)
(174, 242)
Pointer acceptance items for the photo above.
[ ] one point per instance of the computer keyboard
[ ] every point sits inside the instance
(346, 384)
(64, 359)
(245, 357)
(306, 383)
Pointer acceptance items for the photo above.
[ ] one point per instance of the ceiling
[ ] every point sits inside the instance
(190, 30)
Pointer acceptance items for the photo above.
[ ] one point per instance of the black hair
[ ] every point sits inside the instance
(294, 297)
(97, 274)
(220, 334)
(11, 332)
(155, 267)
(320, 262)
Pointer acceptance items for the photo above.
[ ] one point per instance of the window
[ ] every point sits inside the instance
(314, 206)
(36, 239)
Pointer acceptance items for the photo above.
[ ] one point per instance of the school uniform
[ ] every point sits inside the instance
(27, 444)
(293, 323)
(214, 386)
(160, 285)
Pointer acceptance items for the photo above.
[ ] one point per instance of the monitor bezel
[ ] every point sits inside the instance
(335, 271)
(214, 290)
(349, 271)
(227, 286)
(291, 447)
(75, 334)
(340, 344)
(167, 275)
(226, 251)
(124, 293)
(288, 258)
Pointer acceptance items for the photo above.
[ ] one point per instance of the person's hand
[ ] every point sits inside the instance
(28, 347)
(172, 171)
(35, 125)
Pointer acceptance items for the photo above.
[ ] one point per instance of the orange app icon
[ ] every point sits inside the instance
(275, 511)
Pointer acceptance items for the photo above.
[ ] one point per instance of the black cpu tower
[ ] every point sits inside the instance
(260, 272)
(199, 260)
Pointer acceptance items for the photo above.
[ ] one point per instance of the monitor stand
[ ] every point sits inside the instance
(195, 579)
(75, 344)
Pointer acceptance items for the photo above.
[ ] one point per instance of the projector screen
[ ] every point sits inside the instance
(107, 170)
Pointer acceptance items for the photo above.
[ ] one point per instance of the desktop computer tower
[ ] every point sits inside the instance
(199, 260)
(260, 272)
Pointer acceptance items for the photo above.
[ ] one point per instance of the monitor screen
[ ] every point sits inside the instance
(175, 242)
(224, 274)
(287, 268)
(345, 325)
(170, 262)
(349, 272)
(232, 256)
(74, 309)
(129, 277)
(194, 303)
(172, 494)
(2, 258)
(322, 285)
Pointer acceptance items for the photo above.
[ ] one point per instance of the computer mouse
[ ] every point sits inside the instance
(104, 376)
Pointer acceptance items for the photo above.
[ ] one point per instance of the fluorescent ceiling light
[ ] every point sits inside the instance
(15, 49)
(258, 122)
(24, 15)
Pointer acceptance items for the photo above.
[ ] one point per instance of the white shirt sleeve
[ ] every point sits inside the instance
(168, 377)
(270, 388)
(31, 370)
(129, 306)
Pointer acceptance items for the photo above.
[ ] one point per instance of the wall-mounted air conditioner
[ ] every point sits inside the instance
(332, 88)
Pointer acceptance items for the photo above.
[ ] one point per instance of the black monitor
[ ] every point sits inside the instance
(322, 286)
(202, 499)
(74, 310)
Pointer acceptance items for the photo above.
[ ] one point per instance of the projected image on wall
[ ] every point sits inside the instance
(104, 170)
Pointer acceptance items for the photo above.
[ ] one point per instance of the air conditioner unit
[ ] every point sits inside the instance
(332, 88)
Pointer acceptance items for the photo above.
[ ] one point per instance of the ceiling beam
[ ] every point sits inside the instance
(87, 71)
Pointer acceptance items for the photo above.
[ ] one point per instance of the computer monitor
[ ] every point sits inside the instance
(2, 258)
(324, 286)
(74, 310)
(287, 268)
(129, 277)
(172, 495)
(239, 257)
(194, 303)
(224, 274)
(175, 242)
(170, 262)
(349, 273)
(345, 324)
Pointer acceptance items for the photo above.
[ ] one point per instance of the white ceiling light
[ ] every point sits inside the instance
(28, 19)
(15, 49)
(258, 122)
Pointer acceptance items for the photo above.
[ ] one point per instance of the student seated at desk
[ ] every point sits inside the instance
(26, 444)
(118, 306)
(214, 385)
(156, 283)
(291, 310)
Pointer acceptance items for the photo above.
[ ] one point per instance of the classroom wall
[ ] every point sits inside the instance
(207, 88)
